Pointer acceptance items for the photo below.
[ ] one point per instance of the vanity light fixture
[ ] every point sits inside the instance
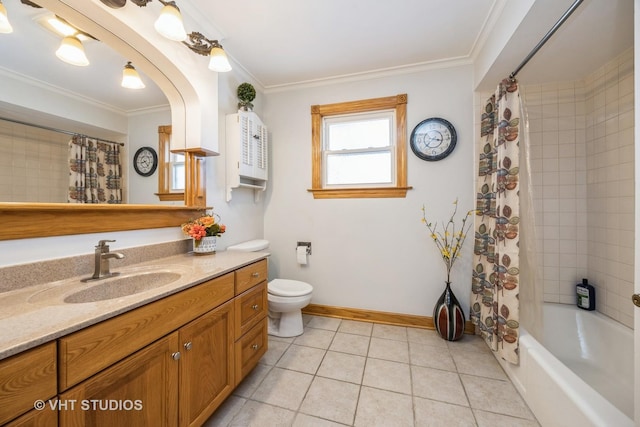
(5, 26)
(201, 45)
(130, 77)
(72, 52)
(169, 24)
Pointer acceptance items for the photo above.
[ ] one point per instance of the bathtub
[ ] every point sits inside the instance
(582, 376)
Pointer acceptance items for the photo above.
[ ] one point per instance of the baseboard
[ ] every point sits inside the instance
(397, 319)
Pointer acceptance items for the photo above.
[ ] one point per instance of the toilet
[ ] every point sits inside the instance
(286, 297)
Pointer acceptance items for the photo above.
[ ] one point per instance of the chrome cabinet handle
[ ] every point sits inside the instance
(255, 274)
(254, 306)
(187, 345)
(176, 355)
(255, 346)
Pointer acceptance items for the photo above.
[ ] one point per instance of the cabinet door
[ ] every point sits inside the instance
(206, 368)
(46, 417)
(141, 390)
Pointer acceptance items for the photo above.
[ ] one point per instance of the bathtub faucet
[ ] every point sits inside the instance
(101, 261)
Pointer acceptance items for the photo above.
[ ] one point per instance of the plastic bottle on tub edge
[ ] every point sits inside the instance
(586, 295)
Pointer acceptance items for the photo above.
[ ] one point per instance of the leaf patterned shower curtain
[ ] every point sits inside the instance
(95, 173)
(495, 284)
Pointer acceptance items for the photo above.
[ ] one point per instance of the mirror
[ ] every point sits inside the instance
(23, 97)
(44, 91)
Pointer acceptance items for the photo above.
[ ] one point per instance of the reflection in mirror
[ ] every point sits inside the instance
(38, 88)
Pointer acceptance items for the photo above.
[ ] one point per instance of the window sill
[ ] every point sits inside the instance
(170, 197)
(359, 193)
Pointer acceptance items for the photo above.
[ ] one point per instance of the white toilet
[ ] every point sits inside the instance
(286, 297)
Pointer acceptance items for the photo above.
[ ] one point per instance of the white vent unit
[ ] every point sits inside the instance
(247, 153)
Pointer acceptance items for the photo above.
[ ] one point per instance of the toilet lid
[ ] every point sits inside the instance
(288, 288)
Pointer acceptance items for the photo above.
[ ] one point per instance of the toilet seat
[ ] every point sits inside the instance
(288, 288)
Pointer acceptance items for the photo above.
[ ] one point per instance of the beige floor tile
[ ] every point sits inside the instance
(425, 336)
(259, 415)
(438, 385)
(332, 400)
(284, 388)
(488, 419)
(353, 344)
(304, 420)
(387, 375)
(383, 408)
(301, 358)
(328, 323)
(495, 396)
(431, 357)
(288, 340)
(397, 351)
(478, 364)
(431, 413)
(225, 413)
(274, 352)
(342, 366)
(318, 338)
(355, 327)
(468, 342)
(390, 332)
(251, 382)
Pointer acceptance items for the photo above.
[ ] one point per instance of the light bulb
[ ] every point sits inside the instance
(5, 26)
(169, 24)
(72, 52)
(218, 60)
(130, 77)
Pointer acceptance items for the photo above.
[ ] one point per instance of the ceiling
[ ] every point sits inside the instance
(283, 43)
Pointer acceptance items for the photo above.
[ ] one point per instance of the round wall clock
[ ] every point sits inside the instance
(145, 161)
(433, 139)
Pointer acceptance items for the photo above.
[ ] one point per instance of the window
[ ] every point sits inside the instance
(177, 172)
(359, 148)
(171, 172)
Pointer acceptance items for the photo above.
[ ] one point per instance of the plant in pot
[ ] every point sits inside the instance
(246, 94)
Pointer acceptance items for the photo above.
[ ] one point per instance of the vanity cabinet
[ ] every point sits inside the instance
(24, 379)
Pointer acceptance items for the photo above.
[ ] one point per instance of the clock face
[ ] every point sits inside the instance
(145, 161)
(433, 139)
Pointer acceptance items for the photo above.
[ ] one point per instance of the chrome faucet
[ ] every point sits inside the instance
(101, 263)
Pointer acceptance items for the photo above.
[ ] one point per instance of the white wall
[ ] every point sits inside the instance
(370, 253)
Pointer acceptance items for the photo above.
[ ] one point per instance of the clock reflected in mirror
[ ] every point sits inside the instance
(145, 161)
(433, 139)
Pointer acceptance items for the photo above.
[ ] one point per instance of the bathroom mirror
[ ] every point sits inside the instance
(32, 65)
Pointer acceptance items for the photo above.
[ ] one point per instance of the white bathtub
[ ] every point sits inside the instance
(583, 375)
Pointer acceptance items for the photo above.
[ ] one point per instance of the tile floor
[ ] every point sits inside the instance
(350, 373)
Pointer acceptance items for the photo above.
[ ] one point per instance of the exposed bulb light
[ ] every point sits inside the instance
(218, 60)
(130, 77)
(169, 24)
(72, 52)
(5, 26)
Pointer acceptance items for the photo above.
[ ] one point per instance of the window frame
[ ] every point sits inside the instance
(397, 103)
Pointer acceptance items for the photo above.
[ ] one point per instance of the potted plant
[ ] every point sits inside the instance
(203, 231)
(246, 94)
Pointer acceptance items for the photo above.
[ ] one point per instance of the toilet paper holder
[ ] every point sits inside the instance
(307, 244)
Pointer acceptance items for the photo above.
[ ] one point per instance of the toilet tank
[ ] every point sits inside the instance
(250, 246)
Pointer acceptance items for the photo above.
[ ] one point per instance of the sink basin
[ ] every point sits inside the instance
(129, 282)
(123, 286)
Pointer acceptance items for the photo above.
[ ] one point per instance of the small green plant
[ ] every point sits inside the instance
(246, 94)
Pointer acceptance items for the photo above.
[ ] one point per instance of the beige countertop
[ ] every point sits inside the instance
(37, 314)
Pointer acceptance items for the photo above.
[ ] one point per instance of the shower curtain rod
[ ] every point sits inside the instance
(547, 36)
(66, 132)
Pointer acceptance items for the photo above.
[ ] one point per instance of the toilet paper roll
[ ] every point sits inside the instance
(301, 255)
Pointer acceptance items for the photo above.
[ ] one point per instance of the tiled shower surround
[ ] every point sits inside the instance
(582, 161)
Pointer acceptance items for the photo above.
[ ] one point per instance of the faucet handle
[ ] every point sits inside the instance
(103, 243)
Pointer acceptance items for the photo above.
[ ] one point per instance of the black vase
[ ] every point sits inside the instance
(448, 316)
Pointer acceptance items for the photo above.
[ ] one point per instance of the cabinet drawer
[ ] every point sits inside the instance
(46, 417)
(25, 378)
(90, 350)
(251, 307)
(250, 348)
(251, 275)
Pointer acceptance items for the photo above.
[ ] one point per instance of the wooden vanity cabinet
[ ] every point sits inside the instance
(24, 379)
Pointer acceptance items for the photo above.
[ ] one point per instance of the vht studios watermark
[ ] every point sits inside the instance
(89, 405)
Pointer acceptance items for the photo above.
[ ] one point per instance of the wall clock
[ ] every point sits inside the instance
(433, 139)
(145, 161)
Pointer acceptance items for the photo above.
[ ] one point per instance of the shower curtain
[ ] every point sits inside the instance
(496, 275)
(95, 173)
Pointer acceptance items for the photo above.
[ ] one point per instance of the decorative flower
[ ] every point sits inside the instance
(449, 241)
(205, 226)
